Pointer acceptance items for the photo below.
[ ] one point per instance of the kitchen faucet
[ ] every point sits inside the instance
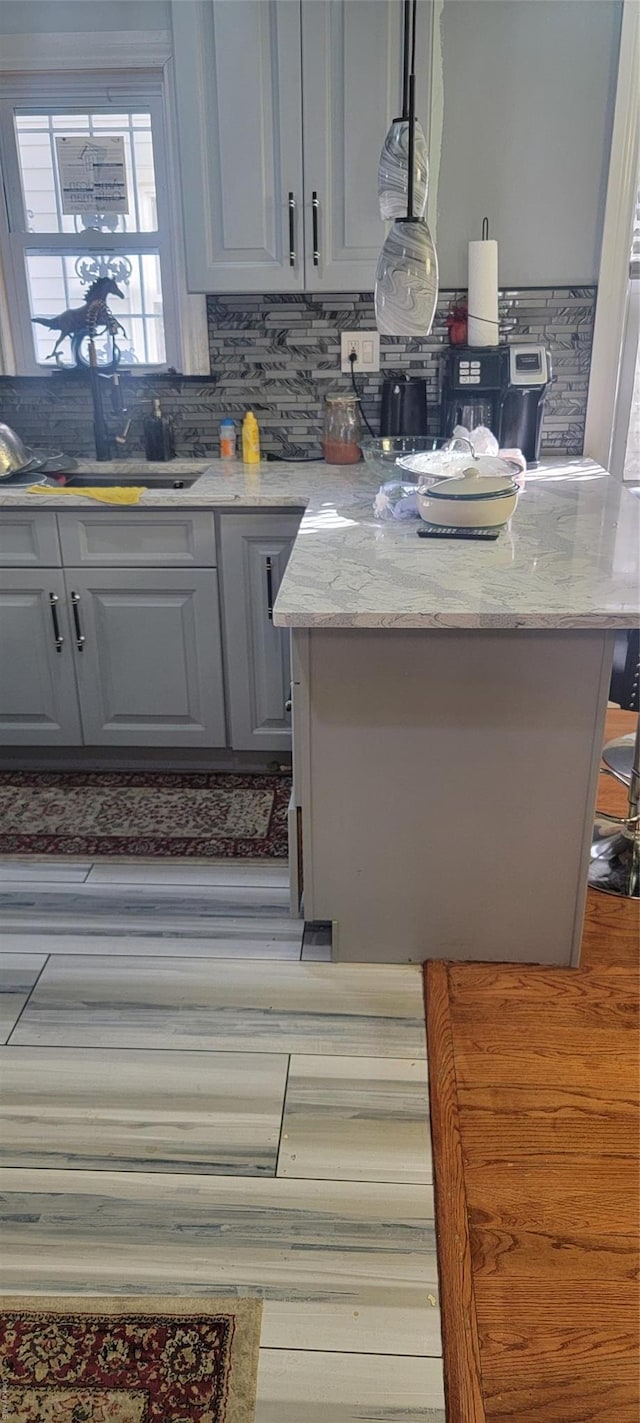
(112, 428)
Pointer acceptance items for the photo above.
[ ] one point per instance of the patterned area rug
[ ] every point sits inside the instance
(201, 814)
(128, 1360)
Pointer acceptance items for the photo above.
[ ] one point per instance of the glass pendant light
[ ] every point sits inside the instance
(406, 290)
(393, 164)
(393, 167)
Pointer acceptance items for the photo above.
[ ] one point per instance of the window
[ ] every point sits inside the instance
(52, 254)
(632, 354)
(625, 451)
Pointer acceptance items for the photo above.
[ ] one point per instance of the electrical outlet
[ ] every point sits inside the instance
(366, 345)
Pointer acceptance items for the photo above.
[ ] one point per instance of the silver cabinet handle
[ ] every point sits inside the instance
(315, 209)
(269, 568)
(80, 637)
(292, 230)
(58, 638)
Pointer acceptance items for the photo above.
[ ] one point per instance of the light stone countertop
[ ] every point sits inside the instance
(219, 484)
(570, 557)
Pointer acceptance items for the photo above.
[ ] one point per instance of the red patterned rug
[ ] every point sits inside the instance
(128, 1361)
(202, 814)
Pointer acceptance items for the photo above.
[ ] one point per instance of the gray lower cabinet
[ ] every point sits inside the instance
(255, 549)
(29, 540)
(148, 656)
(138, 538)
(38, 696)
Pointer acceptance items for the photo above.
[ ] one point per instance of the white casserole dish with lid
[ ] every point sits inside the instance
(469, 501)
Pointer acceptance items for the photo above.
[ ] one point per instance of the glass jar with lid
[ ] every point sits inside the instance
(342, 429)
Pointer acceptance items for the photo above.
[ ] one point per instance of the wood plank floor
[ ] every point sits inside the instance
(544, 1084)
(195, 1100)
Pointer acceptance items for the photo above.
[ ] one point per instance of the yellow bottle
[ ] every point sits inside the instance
(250, 439)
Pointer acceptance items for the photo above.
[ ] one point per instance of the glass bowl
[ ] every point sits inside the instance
(384, 452)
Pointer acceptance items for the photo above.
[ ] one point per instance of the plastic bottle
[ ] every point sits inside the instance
(250, 439)
(227, 439)
(159, 438)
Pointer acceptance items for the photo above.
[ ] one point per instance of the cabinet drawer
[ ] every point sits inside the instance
(28, 540)
(145, 539)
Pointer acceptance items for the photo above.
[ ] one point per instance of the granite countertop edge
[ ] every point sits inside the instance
(569, 559)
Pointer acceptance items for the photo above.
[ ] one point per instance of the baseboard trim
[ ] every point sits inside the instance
(461, 1349)
(107, 758)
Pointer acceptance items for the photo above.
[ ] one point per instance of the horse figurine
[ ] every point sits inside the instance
(79, 321)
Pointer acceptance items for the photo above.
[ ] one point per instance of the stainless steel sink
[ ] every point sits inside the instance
(149, 481)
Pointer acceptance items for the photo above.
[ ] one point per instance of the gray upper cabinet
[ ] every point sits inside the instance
(238, 86)
(524, 105)
(285, 102)
(255, 549)
(351, 85)
(149, 661)
(38, 698)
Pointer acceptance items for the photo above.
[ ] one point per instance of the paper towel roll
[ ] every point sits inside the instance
(484, 329)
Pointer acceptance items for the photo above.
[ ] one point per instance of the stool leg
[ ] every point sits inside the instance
(615, 849)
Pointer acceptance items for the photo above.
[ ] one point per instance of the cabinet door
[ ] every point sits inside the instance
(352, 85)
(148, 656)
(38, 697)
(239, 107)
(255, 549)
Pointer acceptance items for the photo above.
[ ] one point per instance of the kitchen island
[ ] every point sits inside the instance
(449, 703)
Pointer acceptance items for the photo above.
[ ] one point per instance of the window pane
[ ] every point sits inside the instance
(36, 135)
(70, 123)
(58, 282)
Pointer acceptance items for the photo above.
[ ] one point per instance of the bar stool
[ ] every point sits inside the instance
(618, 757)
(615, 848)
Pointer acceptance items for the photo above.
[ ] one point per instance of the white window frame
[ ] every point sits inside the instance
(97, 91)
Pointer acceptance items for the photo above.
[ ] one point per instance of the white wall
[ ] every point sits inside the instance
(529, 87)
(32, 17)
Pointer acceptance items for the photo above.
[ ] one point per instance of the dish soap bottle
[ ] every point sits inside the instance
(250, 439)
(159, 437)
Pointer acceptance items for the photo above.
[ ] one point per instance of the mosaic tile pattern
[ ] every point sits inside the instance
(280, 355)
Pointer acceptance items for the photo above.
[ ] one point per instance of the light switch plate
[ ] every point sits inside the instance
(366, 345)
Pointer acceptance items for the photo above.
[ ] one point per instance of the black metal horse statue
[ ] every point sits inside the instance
(80, 321)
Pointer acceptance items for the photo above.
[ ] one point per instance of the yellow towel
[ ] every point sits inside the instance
(111, 494)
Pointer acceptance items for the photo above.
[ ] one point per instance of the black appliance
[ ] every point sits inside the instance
(404, 407)
(502, 387)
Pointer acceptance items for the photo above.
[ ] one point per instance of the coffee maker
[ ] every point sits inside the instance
(502, 387)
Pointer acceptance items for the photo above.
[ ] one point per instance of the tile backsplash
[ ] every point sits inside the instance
(280, 355)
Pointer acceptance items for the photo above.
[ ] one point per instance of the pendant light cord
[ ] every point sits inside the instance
(412, 113)
(405, 59)
(411, 150)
